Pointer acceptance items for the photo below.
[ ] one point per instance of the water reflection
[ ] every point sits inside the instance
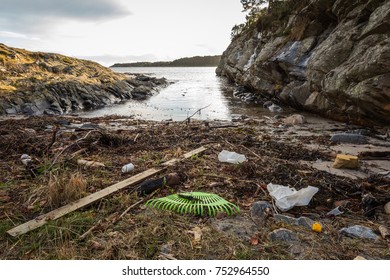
(193, 88)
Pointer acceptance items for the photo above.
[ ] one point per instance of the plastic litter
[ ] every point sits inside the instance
(317, 227)
(346, 161)
(286, 197)
(149, 186)
(127, 168)
(335, 212)
(90, 163)
(26, 159)
(231, 157)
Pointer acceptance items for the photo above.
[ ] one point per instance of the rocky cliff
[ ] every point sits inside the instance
(326, 56)
(44, 83)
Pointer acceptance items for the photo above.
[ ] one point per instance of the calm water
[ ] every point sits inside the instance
(193, 88)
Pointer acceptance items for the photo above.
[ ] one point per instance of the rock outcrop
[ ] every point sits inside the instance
(327, 56)
(36, 83)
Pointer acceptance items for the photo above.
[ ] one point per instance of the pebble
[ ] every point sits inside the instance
(305, 222)
(295, 119)
(359, 232)
(283, 235)
(260, 211)
(301, 221)
(285, 219)
(349, 138)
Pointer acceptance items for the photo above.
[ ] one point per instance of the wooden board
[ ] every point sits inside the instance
(62, 211)
(186, 155)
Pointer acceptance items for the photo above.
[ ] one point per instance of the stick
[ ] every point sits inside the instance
(90, 230)
(187, 119)
(62, 211)
(71, 145)
(53, 138)
(129, 208)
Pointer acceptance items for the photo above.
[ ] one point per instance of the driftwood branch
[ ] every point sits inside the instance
(71, 145)
(188, 119)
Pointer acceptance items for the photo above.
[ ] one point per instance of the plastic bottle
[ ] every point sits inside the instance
(127, 168)
(231, 157)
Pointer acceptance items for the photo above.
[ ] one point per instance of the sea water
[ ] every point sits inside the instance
(191, 89)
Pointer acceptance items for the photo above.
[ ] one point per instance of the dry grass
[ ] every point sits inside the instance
(65, 188)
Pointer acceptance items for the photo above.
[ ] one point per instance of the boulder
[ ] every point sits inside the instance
(330, 57)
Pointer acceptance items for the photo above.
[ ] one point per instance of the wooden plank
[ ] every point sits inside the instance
(186, 155)
(66, 209)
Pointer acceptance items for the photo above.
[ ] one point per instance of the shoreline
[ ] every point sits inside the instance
(292, 155)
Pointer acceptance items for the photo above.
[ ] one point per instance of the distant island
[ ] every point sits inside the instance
(196, 61)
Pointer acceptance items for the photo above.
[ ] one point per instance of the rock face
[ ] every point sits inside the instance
(36, 83)
(327, 56)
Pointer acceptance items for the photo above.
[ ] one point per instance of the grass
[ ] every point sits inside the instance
(64, 188)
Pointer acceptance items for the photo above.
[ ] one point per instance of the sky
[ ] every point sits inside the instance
(109, 31)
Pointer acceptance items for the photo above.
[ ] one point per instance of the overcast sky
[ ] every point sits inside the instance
(111, 31)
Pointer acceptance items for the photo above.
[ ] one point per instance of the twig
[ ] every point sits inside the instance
(71, 145)
(188, 119)
(128, 209)
(90, 230)
(224, 126)
(249, 150)
(136, 137)
(53, 138)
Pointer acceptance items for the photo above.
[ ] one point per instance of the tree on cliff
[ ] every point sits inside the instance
(254, 9)
(251, 4)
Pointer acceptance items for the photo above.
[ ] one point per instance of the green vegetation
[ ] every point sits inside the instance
(196, 61)
(267, 16)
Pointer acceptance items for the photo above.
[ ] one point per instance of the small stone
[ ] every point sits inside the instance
(285, 219)
(260, 211)
(305, 222)
(295, 119)
(11, 111)
(167, 247)
(387, 208)
(359, 232)
(384, 231)
(283, 235)
(173, 179)
(349, 138)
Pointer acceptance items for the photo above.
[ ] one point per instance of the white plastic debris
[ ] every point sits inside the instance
(335, 212)
(127, 168)
(286, 197)
(90, 163)
(231, 157)
(26, 159)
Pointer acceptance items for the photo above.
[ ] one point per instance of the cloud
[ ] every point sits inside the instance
(37, 15)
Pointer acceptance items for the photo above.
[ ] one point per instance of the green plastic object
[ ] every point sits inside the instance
(198, 203)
